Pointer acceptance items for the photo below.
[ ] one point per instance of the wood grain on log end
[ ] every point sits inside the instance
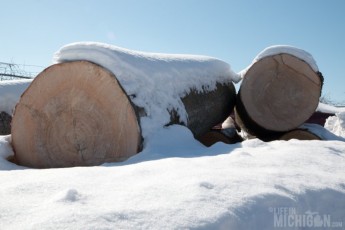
(74, 114)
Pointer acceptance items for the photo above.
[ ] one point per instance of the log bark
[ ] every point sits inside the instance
(5, 123)
(278, 94)
(205, 110)
(77, 114)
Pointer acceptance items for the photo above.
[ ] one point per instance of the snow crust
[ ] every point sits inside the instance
(281, 49)
(176, 183)
(10, 92)
(154, 81)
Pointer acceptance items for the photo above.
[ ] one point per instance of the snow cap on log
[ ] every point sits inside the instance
(152, 80)
(281, 49)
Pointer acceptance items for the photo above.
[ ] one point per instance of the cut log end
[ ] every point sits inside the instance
(278, 93)
(74, 114)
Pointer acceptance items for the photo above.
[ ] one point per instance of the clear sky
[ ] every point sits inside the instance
(234, 31)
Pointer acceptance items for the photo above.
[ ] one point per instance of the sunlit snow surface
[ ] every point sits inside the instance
(176, 183)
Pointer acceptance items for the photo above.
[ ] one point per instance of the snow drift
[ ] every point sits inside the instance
(176, 183)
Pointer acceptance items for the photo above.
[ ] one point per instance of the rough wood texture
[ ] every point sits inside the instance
(74, 114)
(299, 134)
(5, 123)
(278, 94)
(77, 114)
(205, 110)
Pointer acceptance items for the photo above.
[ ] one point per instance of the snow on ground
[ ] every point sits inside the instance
(10, 92)
(281, 49)
(177, 183)
(154, 81)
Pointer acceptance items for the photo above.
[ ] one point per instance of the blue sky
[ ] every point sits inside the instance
(234, 31)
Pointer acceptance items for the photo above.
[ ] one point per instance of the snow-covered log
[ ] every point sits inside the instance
(5, 123)
(10, 92)
(279, 92)
(99, 102)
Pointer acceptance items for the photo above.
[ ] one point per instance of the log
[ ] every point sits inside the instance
(278, 94)
(225, 133)
(10, 92)
(5, 123)
(299, 134)
(228, 136)
(78, 114)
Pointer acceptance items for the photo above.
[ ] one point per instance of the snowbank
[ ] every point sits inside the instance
(10, 92)
(336, 124)
(154, 81)
(176, 183)
(280, 49)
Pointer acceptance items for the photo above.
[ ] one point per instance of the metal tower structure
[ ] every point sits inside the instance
(11, 71)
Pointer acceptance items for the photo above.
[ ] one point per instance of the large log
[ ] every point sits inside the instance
(278, 94)
(299, 134)
(5, 123)
(10, 92)
(78, 114)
